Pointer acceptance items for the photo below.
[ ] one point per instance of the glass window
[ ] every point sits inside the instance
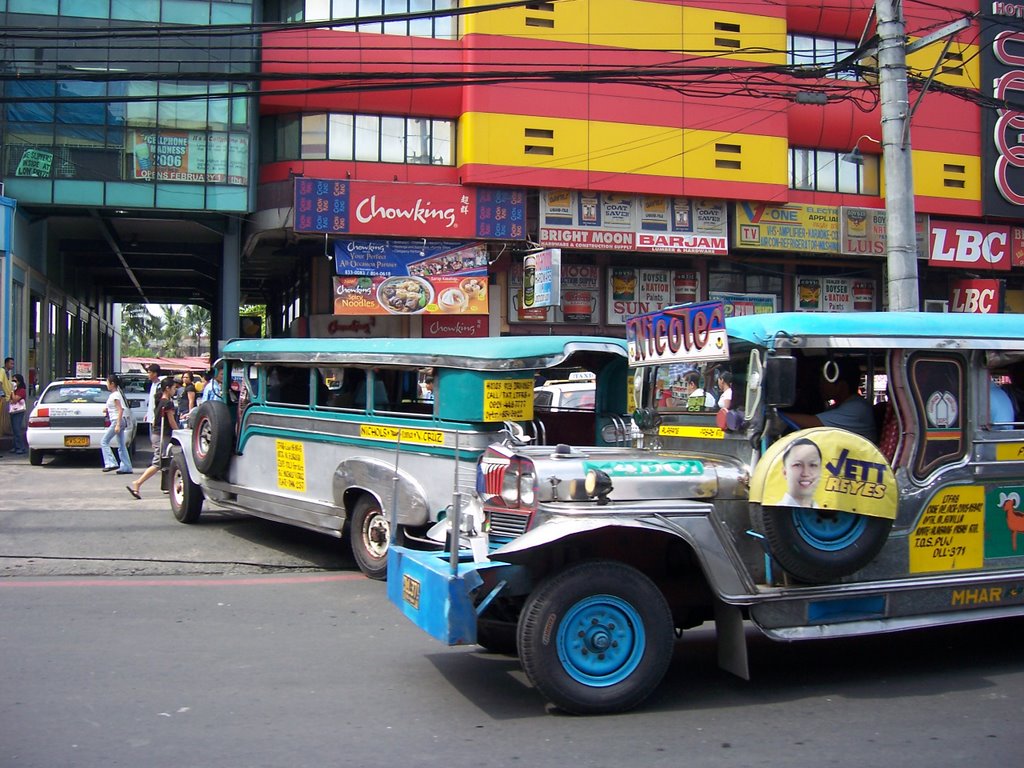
(314, 137)
(392, 139)
(442, 142)
(811, 52)
(371, 8)
(937, 386)
(135, 10)
(367, 138)
(823, 170)
(315, 10)
(91, 9)
(287, 138)
(341, 137)
(186, 12)
(394, 7)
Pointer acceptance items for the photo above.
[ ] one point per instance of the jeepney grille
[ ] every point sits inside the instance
(507, 525)
(492, 476)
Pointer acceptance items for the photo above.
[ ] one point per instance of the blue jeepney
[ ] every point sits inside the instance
(815, 475)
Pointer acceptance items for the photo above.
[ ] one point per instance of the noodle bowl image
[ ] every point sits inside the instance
(405, 295)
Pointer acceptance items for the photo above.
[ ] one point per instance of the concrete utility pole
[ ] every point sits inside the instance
(901, 237)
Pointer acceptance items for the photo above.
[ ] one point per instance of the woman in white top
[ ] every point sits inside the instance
(117, 412)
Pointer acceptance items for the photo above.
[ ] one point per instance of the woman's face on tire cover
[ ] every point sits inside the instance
(802, 469)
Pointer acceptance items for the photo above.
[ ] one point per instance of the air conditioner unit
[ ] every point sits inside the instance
(936, 305)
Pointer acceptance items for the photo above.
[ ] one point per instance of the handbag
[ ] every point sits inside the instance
(18, 407)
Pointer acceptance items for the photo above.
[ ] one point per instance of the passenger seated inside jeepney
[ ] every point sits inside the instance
(683, 387)
(846, 408)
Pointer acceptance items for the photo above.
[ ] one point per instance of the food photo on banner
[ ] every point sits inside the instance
(402, 277)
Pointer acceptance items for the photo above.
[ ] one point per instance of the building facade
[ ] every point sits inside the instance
(433, 168)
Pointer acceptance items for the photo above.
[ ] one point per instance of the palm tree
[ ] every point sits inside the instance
(196, 322)
(174, 330)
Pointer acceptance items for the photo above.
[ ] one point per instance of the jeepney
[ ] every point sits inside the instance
(371, 439)
(730, 515)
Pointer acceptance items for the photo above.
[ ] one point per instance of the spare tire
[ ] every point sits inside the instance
(818, 546)
(212, 437)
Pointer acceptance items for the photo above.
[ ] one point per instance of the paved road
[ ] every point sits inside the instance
(129, 639)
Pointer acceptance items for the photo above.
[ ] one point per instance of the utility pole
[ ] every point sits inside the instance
(901, 238)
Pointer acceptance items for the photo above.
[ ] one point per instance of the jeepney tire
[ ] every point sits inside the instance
(212, 437)
(35, 458)
(496, 636)
(596, 638)
(818, 546)
(368, 523)
(186, 497)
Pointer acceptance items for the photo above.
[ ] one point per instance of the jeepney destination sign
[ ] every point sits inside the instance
(693, 333)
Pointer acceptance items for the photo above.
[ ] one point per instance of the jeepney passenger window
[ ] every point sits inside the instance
(939, 396)
(288, 385)
(685, 387)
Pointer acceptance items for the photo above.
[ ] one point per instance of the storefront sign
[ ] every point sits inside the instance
(453, 326)
(834, 294)
(409, 295)
(619, 222)
(969, 246)
(791, 227)
(542, 284)
(982, 297)
(861, 231)
(1002, 77)
(409, 210)
(193, 156)
(1017, 246)
(334, 327)
(739, 304)
(581, 286)
(692, 333)
(638, 291)
(384, 258)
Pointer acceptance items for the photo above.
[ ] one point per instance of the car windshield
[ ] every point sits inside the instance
(76, 393)
(135, 385)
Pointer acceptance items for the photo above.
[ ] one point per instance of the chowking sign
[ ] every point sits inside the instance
(691, 333)
(1002, 75)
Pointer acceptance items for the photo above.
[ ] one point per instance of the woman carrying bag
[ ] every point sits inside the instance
(17, 410)
(163, 423)
(117, 412)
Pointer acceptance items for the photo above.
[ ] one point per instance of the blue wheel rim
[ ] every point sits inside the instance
(828, 531)
(601, 641)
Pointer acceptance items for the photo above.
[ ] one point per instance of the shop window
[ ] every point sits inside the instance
(437, 25)
(822, 170)
(939, 396)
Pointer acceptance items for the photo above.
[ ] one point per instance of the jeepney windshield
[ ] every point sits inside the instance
(692, 387)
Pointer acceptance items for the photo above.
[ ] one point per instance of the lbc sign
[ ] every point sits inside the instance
(980, 297)
(969, 246)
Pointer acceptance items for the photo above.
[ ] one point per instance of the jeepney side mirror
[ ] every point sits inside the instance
(779, 381)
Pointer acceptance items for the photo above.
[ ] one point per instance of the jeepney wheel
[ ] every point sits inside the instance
(370, 535)
(596, 638)
(818, 546)
(186, 497)
(212, 437)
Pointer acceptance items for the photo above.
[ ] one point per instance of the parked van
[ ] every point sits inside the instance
(373, 438)
(867, 478)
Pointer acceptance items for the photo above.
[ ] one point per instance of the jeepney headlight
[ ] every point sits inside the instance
(518, 485)
(598, 485)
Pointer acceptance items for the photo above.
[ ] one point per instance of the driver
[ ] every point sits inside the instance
(848, 410)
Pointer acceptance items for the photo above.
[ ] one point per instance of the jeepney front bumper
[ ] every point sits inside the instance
(441, 603)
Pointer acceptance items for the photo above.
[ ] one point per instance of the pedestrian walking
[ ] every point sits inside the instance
(162, 423)
(18, 409)
(120, 423)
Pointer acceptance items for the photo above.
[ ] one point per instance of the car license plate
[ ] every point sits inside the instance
(76, 441)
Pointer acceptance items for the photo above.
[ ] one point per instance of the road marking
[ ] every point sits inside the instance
(131, 581)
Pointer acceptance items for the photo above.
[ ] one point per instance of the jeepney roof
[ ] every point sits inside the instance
(905, 330)
(504, 353)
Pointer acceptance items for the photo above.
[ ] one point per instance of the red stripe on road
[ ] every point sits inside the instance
(129, 581)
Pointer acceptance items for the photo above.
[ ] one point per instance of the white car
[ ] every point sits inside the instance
(136, 391)
(70, 415)
(571, 395)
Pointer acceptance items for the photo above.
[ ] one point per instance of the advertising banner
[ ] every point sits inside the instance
(967, 245)
(862, 232)
(385, 258)
(739, 304)
(624, 222)
(192, 156)
(639, 291)
(790, 227)
(581, 288)
(1017, 246)
(409, 210)
(410, 295)
(834, 294)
